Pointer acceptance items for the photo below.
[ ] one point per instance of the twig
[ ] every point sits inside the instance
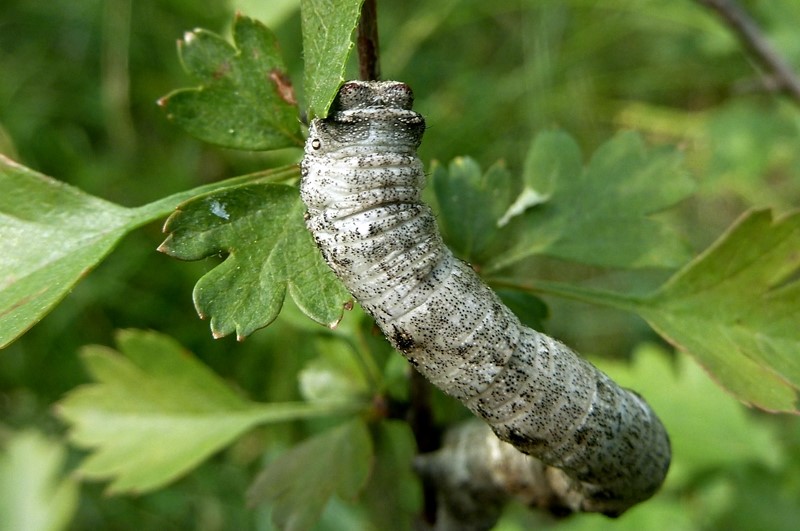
(427, 435)
(753, 39)
(368, 53)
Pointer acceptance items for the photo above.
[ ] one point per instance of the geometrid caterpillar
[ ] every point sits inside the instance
(361, 183)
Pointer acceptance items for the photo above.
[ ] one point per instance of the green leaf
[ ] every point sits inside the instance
(299, 483)
(464, 187)
(32, 495)
(660, 512)
(246, 100)
(531, 310)
(327, 41)
(156, 412)
(51, 236)
(602, 215)
(736, 309)
(393, 495)
(260, 227)
(335, 374)
(708, 428)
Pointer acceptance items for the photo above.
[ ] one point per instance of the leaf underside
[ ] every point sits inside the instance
(51, 236)
(736, 309)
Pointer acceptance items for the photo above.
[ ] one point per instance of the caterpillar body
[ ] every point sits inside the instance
(361, 184)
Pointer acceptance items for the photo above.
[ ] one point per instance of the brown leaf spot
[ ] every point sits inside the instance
(222, 70)
(284, 86)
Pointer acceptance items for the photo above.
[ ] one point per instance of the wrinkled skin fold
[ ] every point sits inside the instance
(362, 183)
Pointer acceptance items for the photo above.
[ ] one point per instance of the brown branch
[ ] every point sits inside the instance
(427, 435)
(369, 67)
(752, 38)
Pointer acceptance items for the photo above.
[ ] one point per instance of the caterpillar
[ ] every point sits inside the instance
(361, 184)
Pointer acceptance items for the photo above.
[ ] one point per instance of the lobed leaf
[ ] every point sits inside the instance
(464, 187)
(327, 41)
(51, 236)
(299, 483)
(269, 252)
(601, 214)
(246, 100)
(156, 412)
(736, 309)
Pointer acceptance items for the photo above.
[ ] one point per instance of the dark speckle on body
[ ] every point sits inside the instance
(362, 184)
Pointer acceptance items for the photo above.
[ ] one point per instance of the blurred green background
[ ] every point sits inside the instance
(78, 88)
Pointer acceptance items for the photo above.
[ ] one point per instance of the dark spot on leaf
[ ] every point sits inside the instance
(222, 70)
(284, 86)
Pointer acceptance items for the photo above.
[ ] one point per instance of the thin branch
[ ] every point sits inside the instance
(753, 39)
(369, 65)
(427, 435)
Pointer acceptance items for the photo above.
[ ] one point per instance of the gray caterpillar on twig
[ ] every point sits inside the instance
(362, 183)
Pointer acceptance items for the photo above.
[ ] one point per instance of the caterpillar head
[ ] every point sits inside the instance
(367, 116)
(364, 94)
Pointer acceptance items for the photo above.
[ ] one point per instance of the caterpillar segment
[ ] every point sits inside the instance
(361, 184)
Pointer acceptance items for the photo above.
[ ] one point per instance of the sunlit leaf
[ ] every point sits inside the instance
(269, 252)
(33, 496)
(155, 412)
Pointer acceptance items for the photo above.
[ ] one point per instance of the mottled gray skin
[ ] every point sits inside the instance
(362, 182)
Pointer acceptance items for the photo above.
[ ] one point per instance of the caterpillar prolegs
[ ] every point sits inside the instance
(362, 184)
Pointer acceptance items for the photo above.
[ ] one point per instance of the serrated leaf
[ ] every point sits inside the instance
(327, 41)
(51, 236)
(33, 496)
(299, 483)
(464, 187)
(260, 228)
(601, 215)
(246, 100)
(708, 428)
(736, 309)
(552, 155)
(156, 412)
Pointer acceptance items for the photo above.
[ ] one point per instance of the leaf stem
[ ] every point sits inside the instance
(163, 207)
(288, 411)
(752, 38)
(610, 299)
